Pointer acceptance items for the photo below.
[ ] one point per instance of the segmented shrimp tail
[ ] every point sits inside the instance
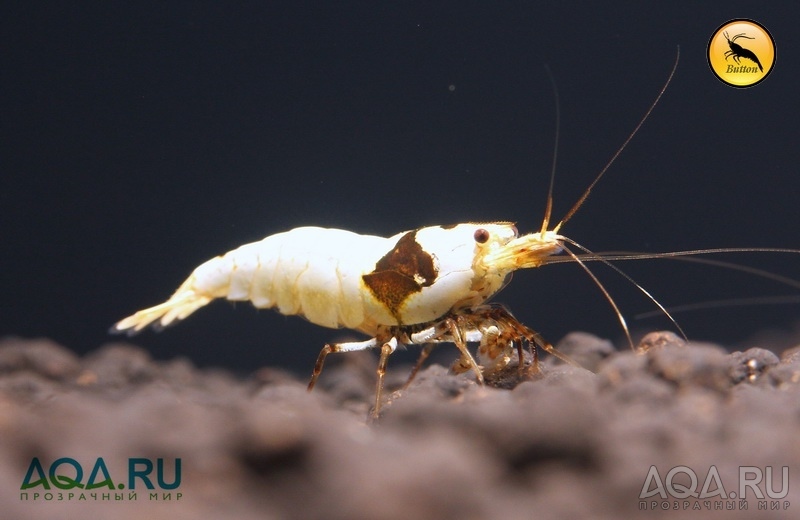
(180, 305)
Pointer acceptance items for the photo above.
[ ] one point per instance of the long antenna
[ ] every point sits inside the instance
(627, 277)
(549, 207)
(585, 195)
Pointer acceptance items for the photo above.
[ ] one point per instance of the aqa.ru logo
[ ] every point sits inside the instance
(67, 474)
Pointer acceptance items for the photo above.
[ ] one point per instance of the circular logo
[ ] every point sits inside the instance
(741, 53)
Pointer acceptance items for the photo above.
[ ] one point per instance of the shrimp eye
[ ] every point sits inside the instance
(481, 236)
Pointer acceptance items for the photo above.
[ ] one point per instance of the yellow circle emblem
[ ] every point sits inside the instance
(741, 53)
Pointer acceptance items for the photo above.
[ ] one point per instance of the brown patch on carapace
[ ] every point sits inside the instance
(404, 270)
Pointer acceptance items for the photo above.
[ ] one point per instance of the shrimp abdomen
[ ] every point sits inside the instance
(315, 273)
(309, 271)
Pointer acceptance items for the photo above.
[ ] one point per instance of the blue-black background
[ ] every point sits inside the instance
(141, 138)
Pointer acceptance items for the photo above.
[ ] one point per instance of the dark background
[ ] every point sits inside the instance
(140, 139)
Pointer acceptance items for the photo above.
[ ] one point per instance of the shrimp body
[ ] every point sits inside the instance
(336, 278)
(428, 286)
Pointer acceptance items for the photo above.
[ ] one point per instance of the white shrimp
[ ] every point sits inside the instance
(420, 286)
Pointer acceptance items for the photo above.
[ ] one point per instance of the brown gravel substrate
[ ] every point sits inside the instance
(571, 444)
